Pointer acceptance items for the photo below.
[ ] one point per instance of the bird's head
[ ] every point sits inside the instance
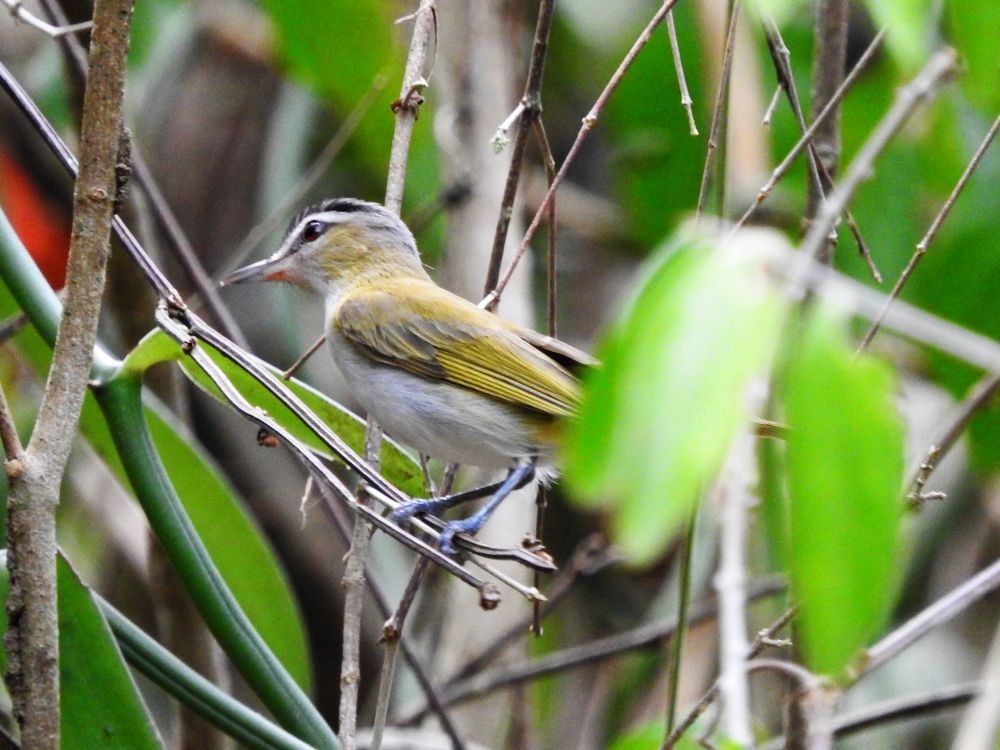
(336, 244)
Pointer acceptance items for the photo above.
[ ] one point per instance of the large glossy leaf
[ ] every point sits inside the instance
(236, 544)
(100, 705)
(845, 463)
(396, 464)
(658, 417)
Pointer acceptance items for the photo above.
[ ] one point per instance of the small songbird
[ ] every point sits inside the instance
(438, 373)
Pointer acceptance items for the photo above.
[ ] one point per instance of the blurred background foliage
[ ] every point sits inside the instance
(231, 102)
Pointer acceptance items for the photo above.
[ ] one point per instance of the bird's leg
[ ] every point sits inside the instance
(437, 505)
(519, 476)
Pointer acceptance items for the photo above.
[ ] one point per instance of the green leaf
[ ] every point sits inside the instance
(909, 30)
(658, 416)
(237, 546)
(845, 468)
(100, 705)
(649, 737)
(397, 466)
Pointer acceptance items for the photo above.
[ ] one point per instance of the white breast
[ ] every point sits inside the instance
(441, 420)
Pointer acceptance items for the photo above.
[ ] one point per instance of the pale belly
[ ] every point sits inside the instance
(443, 421)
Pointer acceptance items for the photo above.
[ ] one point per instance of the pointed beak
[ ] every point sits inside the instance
(262, 270)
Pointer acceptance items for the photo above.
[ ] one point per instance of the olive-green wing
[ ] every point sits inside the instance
(441, 336)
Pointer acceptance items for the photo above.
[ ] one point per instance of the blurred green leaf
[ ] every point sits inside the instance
(650, 737)
(909, 28)
(100, 705)
(397, 465)
(965, 22)
(658, 416)
(845, 466)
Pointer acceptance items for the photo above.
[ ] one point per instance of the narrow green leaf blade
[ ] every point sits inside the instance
(659, 414)
(845, 468)
(100, 705)
(236, 544)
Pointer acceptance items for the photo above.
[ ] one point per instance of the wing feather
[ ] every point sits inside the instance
(481, 352)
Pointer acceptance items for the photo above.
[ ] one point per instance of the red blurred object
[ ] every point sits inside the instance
(42, 227)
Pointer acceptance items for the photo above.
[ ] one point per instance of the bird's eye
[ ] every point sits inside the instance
(312, 231)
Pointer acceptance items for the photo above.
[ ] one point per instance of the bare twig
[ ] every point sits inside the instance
(772, 106)
(829, 57)
(933, 75)
(685, 555)
(675, 51)
(945, 608)
(807, 726)
(979, 396)
(392, 634)
(730, 583)
(821, 178)
(354, 571)
(530, 108)
(12, 448)
(178, 240)
(806, 138)
(313, 348)
(932, 231)
(763, 639)
(17, 9)
(589, 122)
(652, 636)
(719, 110)
(12, 326)
(32, 639)
(409, 102)
(914, 706)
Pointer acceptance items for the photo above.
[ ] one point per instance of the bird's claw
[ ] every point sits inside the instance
(447, 535)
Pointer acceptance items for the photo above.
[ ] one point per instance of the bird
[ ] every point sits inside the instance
(438, 373)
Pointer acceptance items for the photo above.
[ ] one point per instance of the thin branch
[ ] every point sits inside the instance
(589, 122)
(807, 726)
(392, 634)
(979, 397)
(409, 101)
(932, 231)
(829, 59)
(16, 8)
(12, 448)
(806, 139)
(652, 636)
(32, 638)
(926, 84)
(297, 364)
(675, 51)
(178, 240)
(12, 326)
(718, 111)
(821, 178)
(954, 602)
(772, 106)
(685, 555)
(763, 640)
(355, 566)
(530, 109)
(730, 583)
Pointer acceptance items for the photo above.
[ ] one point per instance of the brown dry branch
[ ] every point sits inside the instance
(675, 52)
(786, 163)
(719, 112)
(924, 86)
(932, 231)
(178, 243)
(530, 109)
(32, 638)
(354, 569)
(589, 122)
(829, 58)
